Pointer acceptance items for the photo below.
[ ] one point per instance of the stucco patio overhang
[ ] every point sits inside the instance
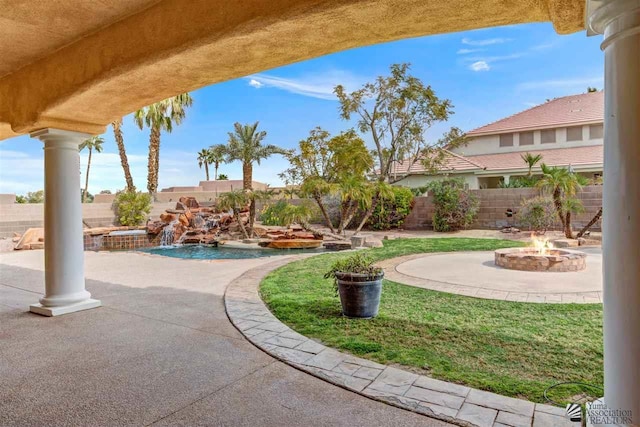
(61, 57)
(71, 67)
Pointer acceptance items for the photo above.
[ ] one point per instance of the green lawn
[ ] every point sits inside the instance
(514, 349)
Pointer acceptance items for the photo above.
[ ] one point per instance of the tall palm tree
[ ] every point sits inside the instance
(218, 153)
(531, 160)
(158, 117)
(204, 158)
(563, 186)
(117, 134)
(245, 145)
(93, 143)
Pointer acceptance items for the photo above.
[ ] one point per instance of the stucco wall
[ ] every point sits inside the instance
(415, 181)
(490, 144)
(495, 202)
(17, 218)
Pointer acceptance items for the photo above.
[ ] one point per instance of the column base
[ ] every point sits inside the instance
(65, 309)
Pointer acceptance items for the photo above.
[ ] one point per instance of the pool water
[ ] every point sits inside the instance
(210, 252)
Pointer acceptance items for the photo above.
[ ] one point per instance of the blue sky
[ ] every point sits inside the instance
(487, 74)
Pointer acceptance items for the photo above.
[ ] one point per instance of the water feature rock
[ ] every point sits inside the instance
(30, 239)
(167, 217)
(155, 227)
(189, 202)
(183, 219)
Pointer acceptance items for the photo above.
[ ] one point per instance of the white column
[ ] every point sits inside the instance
(506, 178)
(619, 21)
(63, 240)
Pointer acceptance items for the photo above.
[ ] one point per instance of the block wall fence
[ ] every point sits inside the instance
(495, 202)
(17, 218)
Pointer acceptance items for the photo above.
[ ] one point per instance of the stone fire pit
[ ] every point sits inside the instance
(532, 259)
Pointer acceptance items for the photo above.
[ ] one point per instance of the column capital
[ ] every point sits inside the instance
(613, 18)
(59, 135)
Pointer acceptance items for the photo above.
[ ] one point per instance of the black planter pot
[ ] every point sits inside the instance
(359, 294)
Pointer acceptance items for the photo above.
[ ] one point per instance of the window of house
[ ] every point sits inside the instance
(548, 136)
(526, 138)
(596, 131)
(574, 133)
(506, 140)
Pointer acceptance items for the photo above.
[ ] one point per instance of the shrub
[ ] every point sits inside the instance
(419, 191)
(132, 207)
(455, 206)
(520, 182)
(284, 213)
(537, 214)
(272, 214)
(391, 213)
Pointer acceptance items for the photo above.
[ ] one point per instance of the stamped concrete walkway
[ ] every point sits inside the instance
(475, 274)
(446, 401)
(161, 351)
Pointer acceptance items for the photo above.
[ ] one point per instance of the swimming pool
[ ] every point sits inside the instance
(210, 252)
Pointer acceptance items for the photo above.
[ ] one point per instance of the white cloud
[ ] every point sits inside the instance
(566, 84)
(484, 42)
(496, 58)
(480, 66)
(317, 85)
(544, 46)
(467, 51)
(484, 63)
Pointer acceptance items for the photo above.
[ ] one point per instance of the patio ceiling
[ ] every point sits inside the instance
(77, 65)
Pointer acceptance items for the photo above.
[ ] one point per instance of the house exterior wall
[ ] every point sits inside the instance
(490, 144)
(416, 181)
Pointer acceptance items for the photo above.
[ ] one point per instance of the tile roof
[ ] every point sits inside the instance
(568, 110)
(452, 162)
(576, 156)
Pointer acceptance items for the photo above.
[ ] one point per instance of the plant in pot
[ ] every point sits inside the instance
(359, 284)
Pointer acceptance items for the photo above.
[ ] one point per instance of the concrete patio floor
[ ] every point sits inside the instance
(475, 274)
(161, 351)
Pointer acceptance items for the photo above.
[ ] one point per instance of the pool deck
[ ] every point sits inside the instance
(161, 351)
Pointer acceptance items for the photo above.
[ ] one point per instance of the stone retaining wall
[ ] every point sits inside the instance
(495, 202)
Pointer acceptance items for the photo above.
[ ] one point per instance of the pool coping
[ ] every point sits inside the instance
(449, 402)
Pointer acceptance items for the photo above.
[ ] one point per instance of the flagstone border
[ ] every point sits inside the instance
(442, 400)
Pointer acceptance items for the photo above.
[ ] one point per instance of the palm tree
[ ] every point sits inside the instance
(93, 143)
(563, 186)
(355, 194)
(235, 200)
(117, 134)
(531, 160)
(245, 145)
(158, 117)
(204, 158)
(380, 191)
(222, 177)
(217, 156)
